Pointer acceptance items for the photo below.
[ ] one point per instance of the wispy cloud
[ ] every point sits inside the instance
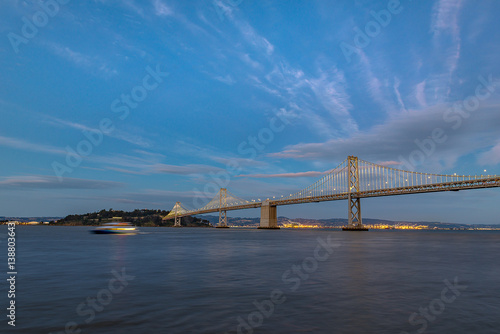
(228, 79)
(242, 162)
(249, 34)
(162, 198)
(253, 37)
(374, 86)
(92, 64)
(133, 7)
(329, 89)
(286, 175)
(52, 182)
(21, 144)
(126, 136)
(445, 17)
(148, 163)
(491, 157)
(420, 94)
(249, 61)
(126, 171)
(210, 153)
(162, 9)
(447, 43)
(184, 170)
(388, 163)
(320, 100)
(397, 83)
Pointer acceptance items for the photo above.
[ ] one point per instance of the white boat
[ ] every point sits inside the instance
(115, 228)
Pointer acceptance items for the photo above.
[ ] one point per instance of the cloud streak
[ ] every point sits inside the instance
(285, 175)
(28, 146)
(52, 182)
(90, 63)
(125, 136)
(162, 9)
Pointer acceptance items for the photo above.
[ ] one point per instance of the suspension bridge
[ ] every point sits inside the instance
(352, 180)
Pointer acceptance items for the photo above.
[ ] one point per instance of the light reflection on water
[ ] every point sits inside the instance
(194, 280)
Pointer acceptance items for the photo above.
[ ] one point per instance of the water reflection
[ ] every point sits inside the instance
(201, 280)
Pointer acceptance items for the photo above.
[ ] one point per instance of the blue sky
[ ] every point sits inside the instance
(139, 104)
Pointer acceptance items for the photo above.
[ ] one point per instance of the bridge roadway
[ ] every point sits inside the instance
(488, 182)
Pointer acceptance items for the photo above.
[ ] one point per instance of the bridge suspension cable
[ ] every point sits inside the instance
(229, 201)
(335, 182)
(373, 177)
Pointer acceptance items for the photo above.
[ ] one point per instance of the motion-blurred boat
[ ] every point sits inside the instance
(115, 228)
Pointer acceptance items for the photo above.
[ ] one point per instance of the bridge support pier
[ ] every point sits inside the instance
(177, 222)
(354, 222)
(268, 216)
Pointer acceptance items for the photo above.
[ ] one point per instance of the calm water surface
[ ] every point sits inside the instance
(194, 280)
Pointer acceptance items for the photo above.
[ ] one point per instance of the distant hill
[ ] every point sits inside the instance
(30, 219)
(143, 217)
(339, 222)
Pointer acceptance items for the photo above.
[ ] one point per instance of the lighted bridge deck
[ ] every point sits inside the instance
(353, 179)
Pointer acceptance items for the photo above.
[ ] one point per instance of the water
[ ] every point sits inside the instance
(194, 280)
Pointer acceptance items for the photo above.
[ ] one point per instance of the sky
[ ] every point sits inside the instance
(140, 104)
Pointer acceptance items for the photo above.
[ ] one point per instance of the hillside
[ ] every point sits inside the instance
(143, 217)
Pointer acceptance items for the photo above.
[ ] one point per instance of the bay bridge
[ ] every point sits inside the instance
(352, 180)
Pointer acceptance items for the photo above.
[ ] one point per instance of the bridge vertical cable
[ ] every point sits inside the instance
(331, 185)
(376, 177)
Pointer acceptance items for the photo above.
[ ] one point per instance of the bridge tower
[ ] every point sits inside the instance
(355, 223)
(177, 222)
(222, 213)
(268, 216)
